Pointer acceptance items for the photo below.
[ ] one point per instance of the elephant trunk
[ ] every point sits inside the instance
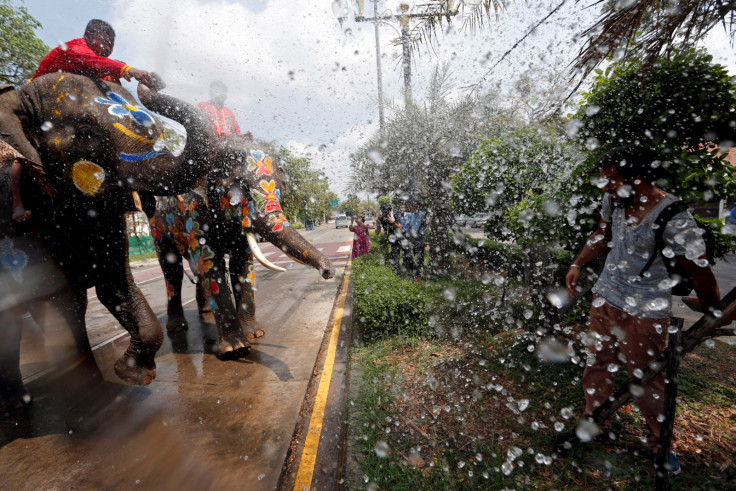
(163, 173)
(294, 245)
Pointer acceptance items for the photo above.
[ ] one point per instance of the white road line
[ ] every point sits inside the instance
(343, 248)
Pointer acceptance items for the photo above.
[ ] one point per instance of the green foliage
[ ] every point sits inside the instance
(20, 50)
(506, 169)
(351, 206)
(308, 196)
(725, 243)
(683, 103)
(497, 256)
(385, 304)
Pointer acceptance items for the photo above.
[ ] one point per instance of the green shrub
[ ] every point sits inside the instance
(386, 305)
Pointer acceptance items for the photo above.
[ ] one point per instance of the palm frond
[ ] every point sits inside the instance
(649, 28)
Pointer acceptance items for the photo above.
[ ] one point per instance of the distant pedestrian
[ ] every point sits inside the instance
(418, 237)
(361, 241)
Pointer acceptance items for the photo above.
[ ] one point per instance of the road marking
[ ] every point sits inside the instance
(305, 473)
(344, 248)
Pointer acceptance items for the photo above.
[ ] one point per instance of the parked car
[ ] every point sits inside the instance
(341, 221)
(479, 220)
(370, 222)
(462, 220)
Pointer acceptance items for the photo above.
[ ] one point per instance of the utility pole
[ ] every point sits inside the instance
(340, 8)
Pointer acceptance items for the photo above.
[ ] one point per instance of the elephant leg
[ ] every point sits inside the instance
(242, 277)
(119, 294)
(13, 394)
(173, 268)
(203, 306)
(233, 343)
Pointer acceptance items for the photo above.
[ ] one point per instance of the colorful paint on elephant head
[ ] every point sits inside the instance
(260, 163)
(119, 107)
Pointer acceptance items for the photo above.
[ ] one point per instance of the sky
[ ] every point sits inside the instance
(299, 78)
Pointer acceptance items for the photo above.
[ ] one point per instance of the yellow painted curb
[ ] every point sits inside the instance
(308, 458)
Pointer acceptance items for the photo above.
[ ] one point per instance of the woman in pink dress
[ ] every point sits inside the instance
(362, 241)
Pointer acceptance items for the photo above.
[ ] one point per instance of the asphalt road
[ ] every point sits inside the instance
(203, 423)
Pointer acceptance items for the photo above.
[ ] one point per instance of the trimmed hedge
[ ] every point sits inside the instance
(386, 305)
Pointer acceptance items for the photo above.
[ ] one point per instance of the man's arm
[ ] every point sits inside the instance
(595, 244)
(704, 282)
(79, 58)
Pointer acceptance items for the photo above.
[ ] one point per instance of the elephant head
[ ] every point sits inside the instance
(247, 182)
(95, 140)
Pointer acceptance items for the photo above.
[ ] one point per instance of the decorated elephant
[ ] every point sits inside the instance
(97, 145)
(238, 198)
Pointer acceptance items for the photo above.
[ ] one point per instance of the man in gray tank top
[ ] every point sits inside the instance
(631, 313)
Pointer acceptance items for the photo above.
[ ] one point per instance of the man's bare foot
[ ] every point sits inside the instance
(20, 213)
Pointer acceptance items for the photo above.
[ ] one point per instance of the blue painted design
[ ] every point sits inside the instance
(120, 107)
(257, 154)
(213, 304)
(171, 219)
(12, 259)
(137, 157)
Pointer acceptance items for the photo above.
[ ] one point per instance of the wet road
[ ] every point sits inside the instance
(203, 423)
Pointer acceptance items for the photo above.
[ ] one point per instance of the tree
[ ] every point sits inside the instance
(308, 195)
(507, 169)
(20, 50)
(351, 206)
(421, 147)
(685, 103)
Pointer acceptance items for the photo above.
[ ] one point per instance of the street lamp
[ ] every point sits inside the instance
(340, 10)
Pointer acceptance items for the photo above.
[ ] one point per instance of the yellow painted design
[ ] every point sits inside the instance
(88, 177)
(305, 473)
(53, 87)
(131, 134)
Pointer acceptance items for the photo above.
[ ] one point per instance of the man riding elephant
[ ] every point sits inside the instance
(87, 55)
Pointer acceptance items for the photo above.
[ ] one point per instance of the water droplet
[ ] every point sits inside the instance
(559, 426)
(598, 302)
(507, 467)
(381, 449)
(612, 367)
(636, 390)
(523, 404)
(587, 430)
(46, 126)
(450, 294)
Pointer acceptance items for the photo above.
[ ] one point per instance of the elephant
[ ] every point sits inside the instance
(238, 197)
(97, 145)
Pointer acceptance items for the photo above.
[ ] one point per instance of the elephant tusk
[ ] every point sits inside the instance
(259, 255)
(137, 200)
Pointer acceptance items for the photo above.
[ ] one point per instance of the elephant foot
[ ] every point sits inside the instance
(128, 369)
(16, 399)
(232, 347)
(253, 330)
(177, 324)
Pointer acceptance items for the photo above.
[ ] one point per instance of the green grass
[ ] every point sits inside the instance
(451, 402)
